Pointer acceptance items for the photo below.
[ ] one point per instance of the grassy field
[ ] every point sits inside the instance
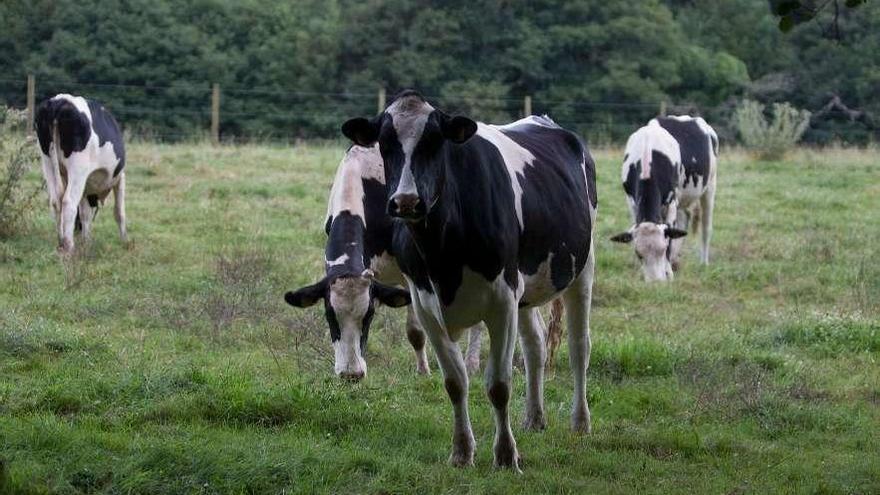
(173, 365)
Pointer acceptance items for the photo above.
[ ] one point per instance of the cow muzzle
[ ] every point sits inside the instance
(407, 206)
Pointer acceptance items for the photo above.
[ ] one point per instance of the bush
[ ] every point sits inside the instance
(770, 140)
(17, 156)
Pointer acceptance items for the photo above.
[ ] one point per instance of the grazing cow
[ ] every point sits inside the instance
(358, 265)
(83, 159)
(497, 220)
(668, 175)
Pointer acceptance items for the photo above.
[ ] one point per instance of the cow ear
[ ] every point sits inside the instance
(458, 129)
(308, 295)
(624, 237)
(674, 233)
(390, 296)
(361, 131)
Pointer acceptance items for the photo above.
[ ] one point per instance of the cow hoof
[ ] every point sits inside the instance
(580, 422)
(423, 369)
(461, 459)
(534, 422)
(507, 459)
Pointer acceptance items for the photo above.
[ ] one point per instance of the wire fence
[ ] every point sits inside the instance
(185, 110)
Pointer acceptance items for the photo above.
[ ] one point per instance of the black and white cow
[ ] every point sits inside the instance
(497, 220)
(360, 268)
(668, 174)
(83, 159)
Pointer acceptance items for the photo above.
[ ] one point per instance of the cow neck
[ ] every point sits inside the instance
(649, 201)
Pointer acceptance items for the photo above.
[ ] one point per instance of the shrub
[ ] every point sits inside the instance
(770, 140)
(17, 156)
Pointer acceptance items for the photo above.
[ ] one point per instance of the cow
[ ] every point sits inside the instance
(669, 177)
(360, 268)
(83, 159)
(494, 221)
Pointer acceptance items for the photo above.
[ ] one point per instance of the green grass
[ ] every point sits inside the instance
(174, 366)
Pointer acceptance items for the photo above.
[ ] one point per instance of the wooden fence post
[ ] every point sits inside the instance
(527, 106)
(215, 113)
(381, 100)
(31, 96)
(663, 108)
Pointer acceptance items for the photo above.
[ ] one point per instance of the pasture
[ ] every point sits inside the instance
(173, 365)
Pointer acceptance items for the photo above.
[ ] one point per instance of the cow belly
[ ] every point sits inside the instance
(475, 298)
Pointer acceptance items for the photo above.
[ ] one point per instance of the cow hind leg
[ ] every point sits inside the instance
(502, 326)
(416, 337)
(70, 209)
(531, 336)
(707, 204)
(577, 299)
(472, 359)
(83, 221)
(119, 207)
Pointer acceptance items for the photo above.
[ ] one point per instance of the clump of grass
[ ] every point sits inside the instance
(632, 357)
(17, 156)
(830, 335)
(241, 293)
(770, 140)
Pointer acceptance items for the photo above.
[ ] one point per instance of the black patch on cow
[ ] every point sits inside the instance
(93, 200)
(107, 129)
(454, 390)
(551, 224)
(695, 147)
(74, 129)
(330, 314)
(652, 195)
(499, 394)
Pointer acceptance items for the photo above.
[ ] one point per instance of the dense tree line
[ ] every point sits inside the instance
(299, 68)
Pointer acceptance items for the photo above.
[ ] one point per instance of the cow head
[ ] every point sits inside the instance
(414, 140)
(651, 242)
(349, 303)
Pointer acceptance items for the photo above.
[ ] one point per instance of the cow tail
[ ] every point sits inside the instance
(554, 332)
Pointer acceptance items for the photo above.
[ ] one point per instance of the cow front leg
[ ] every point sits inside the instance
(119, 207)
(472, 359)
(502, 326)
(455, 380)
(416, 337)
(69, 210)
(531, 336)
(577, 299)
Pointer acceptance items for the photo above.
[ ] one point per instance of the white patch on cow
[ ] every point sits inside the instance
(641, 145)
(347, 193)
(538, 287)
(542, 120)
(408, 116)
(516, 158)
(338, 261)
(350, 300)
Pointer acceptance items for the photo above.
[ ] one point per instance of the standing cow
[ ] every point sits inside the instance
(668, 174)
(83, 159)
(359, 262)
(497, 221)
